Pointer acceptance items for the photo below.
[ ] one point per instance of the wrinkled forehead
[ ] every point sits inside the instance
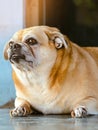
(35, 32)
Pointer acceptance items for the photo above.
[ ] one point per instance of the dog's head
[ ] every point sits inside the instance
(35, 46)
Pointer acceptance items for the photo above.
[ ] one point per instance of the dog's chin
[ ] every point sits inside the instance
(20, 61)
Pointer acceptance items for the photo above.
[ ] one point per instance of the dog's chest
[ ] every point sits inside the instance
(38, 94)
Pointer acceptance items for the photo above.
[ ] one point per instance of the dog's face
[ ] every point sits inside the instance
(34, 47)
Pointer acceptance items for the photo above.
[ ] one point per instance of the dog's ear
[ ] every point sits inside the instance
(59, 42)
(58, 38)
(5, 51)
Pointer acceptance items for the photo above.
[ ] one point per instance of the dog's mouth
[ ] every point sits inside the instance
(16, 57)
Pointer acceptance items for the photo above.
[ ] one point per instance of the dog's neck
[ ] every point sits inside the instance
(34, 77)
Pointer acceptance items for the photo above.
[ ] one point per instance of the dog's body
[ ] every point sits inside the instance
(51, 74)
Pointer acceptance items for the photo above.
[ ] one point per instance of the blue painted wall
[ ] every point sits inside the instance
(11, 20)
(7, 91)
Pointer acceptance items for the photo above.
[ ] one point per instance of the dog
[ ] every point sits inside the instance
(52, 75)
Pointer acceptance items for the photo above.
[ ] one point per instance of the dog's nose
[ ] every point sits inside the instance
(14, 45)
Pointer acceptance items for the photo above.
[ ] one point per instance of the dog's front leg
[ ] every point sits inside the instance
(88, 106)
(22, 108)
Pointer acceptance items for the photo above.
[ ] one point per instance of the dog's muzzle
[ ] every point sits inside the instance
(15, 52)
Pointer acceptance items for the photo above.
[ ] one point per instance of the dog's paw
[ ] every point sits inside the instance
(20, 111)
(79, 112)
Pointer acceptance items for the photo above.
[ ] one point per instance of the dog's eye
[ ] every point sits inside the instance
(31, 41)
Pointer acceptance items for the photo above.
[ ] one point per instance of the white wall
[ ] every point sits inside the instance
(11, 20)
(11, 15)
(11, 12)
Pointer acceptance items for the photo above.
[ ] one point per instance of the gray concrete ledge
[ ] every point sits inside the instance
(49, 122)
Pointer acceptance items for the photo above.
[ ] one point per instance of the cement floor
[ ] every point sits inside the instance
(49, 122)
